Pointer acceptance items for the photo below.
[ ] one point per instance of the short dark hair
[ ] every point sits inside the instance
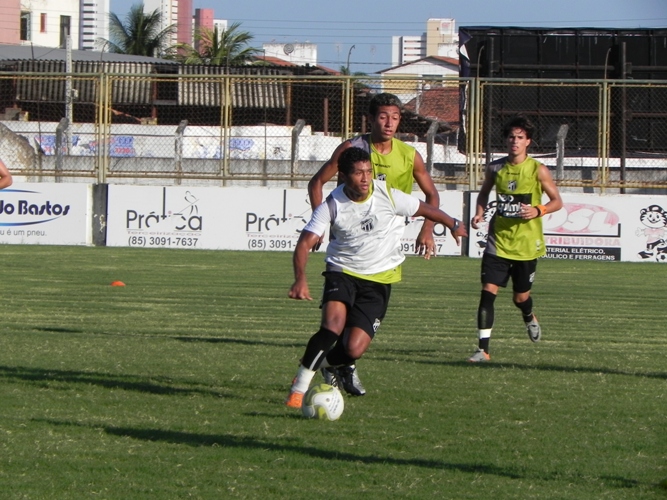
(519, 121)
(349, 157)
(383, 99)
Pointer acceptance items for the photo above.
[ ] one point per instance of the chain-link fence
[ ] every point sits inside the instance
(278, 129)
(594, 134)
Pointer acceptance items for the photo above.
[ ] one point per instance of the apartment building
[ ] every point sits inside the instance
(439, 39)
(47, 23)
(174, 12)
(94, 23)
(10, 13)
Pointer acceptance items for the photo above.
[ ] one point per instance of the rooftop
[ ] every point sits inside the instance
(32, 52)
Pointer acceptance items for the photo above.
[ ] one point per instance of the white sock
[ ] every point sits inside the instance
(484, 334)
(302, 380)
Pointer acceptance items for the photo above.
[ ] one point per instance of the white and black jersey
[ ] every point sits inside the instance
(366, 235)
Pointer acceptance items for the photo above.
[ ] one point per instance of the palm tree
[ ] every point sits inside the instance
(231, 47)
(344, 70)
(140, 34)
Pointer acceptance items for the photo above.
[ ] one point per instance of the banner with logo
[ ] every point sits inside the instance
(46, 214)
(206, 217)
(451, 202)
(595, 227)
(235, 218)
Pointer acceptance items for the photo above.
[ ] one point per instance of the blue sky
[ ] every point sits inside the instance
(369, 25)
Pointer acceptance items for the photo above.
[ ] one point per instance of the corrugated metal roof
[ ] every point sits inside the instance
(43, 88)
(32, 52)
(205, 91)
(251, 93)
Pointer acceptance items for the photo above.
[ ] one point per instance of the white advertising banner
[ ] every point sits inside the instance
(206, 217)
(596, 227)
(235, 218)
(450, 202)
(46, 214)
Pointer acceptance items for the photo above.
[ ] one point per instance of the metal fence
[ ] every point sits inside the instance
(595, 134)
(276, 129)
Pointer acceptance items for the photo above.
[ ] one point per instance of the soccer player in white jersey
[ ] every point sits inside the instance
(393, 161)
(363, 259)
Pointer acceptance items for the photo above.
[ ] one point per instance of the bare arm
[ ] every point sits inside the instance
(555, 202)
(324, 175)
(5, 176)
(425, 242)
(483, 199)
(549, 187)
(299, 289)
(457, 229)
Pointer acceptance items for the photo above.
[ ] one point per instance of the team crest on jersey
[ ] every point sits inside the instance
(511, 185)
(367, 225)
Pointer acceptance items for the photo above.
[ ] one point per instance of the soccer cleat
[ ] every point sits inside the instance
(331, 376)
(294, 400)
(480, 356)
(350, 380)
(534, 330)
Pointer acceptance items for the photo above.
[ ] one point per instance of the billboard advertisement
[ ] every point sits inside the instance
(206, 217)
(234, 218)
(46, 214)
(594, 227)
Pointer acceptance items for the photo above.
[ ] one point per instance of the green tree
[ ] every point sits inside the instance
(344, 70)
(230, 47)
(139, 34)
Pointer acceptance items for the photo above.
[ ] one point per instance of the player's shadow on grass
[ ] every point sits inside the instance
(55, 378)
(549, 368)
(228, 340)
(58, 329)
(246, 442)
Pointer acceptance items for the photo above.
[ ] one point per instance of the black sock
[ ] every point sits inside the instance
(317, 348)
(486, 310)
(526, 309)
(485, 317)
(338, 354)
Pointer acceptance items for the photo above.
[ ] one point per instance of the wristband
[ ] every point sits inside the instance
(541, 210)
(456, 225)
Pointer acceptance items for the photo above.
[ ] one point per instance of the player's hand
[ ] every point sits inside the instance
(425, 244)
(461, 232)
(476, 221)
(300, 291)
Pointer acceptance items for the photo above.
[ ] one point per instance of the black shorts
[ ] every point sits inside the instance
(366, 301)
(498, 270)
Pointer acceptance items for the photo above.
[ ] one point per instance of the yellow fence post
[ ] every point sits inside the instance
(603, 127)
(103, 127)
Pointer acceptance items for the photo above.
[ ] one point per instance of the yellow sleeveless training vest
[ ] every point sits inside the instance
(510, 236)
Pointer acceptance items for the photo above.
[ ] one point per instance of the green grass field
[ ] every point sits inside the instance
(172, 386)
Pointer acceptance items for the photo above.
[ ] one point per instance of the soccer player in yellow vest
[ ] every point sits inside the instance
(515, 237)
(396, 163)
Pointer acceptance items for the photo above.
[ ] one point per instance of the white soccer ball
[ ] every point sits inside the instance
(324, 402)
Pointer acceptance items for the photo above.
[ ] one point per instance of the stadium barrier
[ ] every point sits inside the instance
(589, 227)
